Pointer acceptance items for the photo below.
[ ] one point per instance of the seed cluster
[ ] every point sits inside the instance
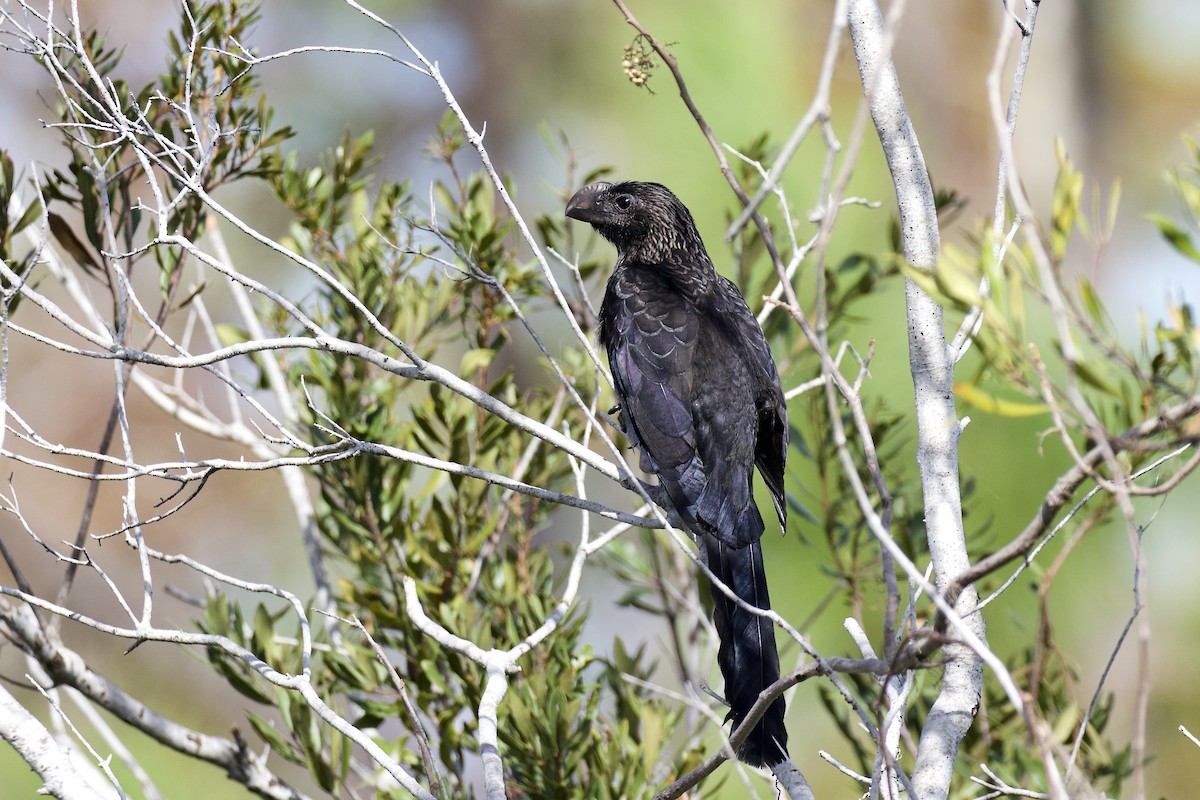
(637, 64)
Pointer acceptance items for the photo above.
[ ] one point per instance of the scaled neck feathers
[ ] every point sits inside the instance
(666, 239)
(690, 274)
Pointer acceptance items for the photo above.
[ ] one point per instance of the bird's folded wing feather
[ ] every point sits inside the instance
(772, 444)
(652, 344)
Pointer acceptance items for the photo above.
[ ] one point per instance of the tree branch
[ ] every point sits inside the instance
(68, 668)
(25, 734)
(933, 383)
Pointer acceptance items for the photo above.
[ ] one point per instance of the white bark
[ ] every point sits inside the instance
(34, 743)
(933, 380)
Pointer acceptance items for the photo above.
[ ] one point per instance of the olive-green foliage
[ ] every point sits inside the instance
(1000, 739)
(1029, 291)
(568, 723)
(10, 226)
(484, 564)
(106, 172)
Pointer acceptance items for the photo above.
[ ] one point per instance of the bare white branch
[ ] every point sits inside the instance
(933, 378)
(25, 734)
(1191, 737)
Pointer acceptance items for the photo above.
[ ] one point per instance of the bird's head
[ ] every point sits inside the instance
(643, 220)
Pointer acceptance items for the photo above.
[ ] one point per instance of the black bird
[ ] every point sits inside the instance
(700, 396)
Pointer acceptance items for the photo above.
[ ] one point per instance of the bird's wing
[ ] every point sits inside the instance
(651, 334)
(771, 449)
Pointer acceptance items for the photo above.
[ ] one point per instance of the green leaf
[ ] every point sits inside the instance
(1091, 302)
(1064, 726)
(239, 676)
(274, 739)
(1090, 374)
(984, 401)
(26, 219)
(476, 359)
(62, 232)
(230, 335)
(1064, 208)
(1176, 237)
(264, 634)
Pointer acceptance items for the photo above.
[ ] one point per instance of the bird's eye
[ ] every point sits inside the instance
(623, 201)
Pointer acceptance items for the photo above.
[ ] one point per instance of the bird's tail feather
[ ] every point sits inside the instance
(748, 657)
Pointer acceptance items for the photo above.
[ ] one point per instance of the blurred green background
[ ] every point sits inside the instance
(1116, 81)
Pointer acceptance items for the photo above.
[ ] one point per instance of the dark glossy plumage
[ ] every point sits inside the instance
(700, 397)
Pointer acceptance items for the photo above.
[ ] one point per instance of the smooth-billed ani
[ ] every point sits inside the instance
(700, 396)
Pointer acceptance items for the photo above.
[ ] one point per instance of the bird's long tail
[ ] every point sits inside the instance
(748, 658)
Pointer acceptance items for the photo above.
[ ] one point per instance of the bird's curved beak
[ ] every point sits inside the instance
(584, 205)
